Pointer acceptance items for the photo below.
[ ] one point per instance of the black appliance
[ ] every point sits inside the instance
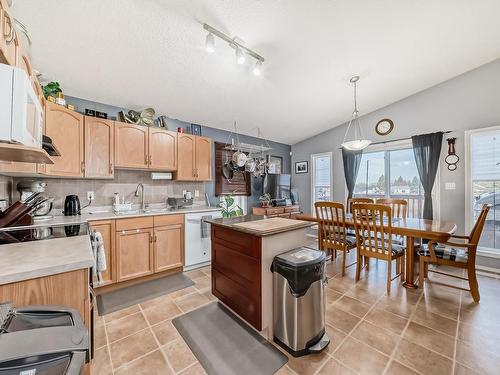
(42, 340)
(277, 185)
(40, 232)
(72, 205)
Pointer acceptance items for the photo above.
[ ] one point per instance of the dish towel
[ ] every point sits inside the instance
(99, 256)
(205, 227)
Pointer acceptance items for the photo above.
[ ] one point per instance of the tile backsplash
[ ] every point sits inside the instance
(124, 183)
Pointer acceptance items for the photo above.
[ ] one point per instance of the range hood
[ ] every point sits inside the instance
(48, 146)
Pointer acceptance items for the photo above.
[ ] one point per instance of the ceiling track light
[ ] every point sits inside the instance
(241, 51)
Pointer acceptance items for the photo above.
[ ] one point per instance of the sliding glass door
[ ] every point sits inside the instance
(391, 174)
(483, 184)
(321, 178)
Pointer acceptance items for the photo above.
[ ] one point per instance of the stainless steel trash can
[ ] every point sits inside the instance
(299, 301)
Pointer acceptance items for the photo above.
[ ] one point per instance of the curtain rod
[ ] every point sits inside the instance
(397, 140)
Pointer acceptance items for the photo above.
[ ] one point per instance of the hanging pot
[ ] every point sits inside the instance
(240, 158)
(227, 170)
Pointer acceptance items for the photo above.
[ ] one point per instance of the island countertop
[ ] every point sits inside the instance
(260, 225)
(30, 260)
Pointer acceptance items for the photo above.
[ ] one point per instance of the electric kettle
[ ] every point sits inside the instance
(71, 205)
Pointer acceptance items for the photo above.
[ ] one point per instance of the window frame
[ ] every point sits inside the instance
(469, 222)
(313, 157)
(401, 145)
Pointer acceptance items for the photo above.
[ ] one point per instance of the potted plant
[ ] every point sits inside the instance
(229, 209)
(265, 199)
(51, 89)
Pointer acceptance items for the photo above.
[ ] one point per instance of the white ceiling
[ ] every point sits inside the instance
(138, 53)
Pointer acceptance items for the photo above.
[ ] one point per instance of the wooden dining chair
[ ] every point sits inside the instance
(399, 210)
(373, 227)
(460, 254)
(352, 201)
(333, 231)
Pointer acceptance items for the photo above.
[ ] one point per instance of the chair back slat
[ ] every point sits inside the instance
(399, 206)
(358, 200)
(373, 227)
(331, 225)
(477, 230)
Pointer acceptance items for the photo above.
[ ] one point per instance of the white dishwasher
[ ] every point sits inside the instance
(197, 239)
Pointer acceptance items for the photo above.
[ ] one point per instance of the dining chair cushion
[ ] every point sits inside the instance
(351, 240)
(446, 252)
(396, 248)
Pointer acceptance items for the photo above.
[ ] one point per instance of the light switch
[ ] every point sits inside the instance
(450, 186)
(196, 193)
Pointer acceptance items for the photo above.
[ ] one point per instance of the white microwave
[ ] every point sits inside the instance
(21, 116)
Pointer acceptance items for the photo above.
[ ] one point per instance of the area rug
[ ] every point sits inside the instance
(225, 345)
(132, 295)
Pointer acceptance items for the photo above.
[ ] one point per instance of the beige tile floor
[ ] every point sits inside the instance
(437, 330)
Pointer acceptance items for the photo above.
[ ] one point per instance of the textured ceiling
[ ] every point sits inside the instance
(151, 53)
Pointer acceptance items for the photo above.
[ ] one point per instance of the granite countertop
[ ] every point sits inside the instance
(268, 226)
(108, 214)
(29, 260)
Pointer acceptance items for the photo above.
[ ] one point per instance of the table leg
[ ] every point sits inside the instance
(410, 264)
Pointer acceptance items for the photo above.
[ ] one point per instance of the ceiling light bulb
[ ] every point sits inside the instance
(210, 43)
(240, 56)
(257, 69)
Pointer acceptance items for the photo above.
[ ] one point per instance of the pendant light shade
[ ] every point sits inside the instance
(353, 138)
(210, 43)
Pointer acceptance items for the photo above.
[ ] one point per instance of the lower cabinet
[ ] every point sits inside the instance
(134, 253)
(141, 246)
(168, 250)
(107, 230)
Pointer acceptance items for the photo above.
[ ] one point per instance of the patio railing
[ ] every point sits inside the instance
(415, 202)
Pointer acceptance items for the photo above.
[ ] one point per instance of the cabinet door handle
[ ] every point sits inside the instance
(150, 160)
(83, 166)
(110, 168)
(150, 238)
(146, 159)
(8, 21)
(156, 238)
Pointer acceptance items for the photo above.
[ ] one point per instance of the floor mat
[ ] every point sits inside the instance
(225, 345)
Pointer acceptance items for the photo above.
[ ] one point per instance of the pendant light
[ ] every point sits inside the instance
(357, 142)
(210, 43)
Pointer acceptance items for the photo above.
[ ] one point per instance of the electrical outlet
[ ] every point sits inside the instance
(90, 195)
(196, 193)
(184, 192)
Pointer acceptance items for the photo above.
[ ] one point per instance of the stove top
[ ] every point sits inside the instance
(40, 232)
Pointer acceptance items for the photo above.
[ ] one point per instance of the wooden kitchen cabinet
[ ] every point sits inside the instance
(162, 149)
(99, 148)
(134, 253)
(9, 42)
(168, 242)
(194, 158)
(168, 247)
(131, 146)
(66, 128)
(107, 230)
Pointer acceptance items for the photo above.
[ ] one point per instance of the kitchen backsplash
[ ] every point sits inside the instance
(5, 187)
(124, 183)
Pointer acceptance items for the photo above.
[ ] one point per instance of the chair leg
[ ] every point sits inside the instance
(403, 268)
(398, 265)
(358, 267)
(426, 269)
(367, 263)
(343, 262)
(473, 285)
(421, 272)
(389, 273)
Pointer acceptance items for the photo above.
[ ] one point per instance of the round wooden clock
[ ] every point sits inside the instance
(384, 126)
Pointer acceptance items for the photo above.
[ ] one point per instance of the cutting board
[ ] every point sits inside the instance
(274, 224)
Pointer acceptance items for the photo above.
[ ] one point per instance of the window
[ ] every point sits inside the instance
(391, 174)
(483, 184)
(321, 177)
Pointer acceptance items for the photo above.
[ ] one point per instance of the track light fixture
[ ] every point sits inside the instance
(210, 43)
(240, 50)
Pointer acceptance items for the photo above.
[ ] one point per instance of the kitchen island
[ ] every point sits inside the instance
(243, 249)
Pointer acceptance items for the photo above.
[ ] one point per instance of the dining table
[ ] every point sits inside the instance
(412, 229)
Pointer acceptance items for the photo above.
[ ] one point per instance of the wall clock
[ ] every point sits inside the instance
(384, 126)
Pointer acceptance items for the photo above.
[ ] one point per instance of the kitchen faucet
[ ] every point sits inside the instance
(142, 195)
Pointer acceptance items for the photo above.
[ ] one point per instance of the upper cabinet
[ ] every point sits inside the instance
(194, 161)
(65, 127)
(162, 149)
(9, 42)
(142, 147)
(99, 148)
(131, 146)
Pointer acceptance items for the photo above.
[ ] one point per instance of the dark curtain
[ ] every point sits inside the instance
(352, 161)
(427, 150)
